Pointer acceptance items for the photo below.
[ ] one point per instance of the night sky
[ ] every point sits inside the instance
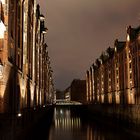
(80, 30)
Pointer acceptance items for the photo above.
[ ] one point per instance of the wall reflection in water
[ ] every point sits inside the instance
(69, 125)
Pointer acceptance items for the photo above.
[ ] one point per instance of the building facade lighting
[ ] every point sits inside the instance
(3, 1)
(2, 29)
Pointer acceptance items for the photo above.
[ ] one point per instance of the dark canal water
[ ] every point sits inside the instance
(67, 124)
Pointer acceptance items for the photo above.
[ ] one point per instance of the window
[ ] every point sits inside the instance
(130, 65)
(130, 75)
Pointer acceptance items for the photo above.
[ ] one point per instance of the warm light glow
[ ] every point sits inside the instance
(42, 18)
(2, 90)
(128, 38)
(3, 1)
(117, 98)
(115, 49)
(23, 93)
(2, 29)
(110, 98)
(44, 32)
(102, 98)
(131, 98)
(19, 114)
(32, 92)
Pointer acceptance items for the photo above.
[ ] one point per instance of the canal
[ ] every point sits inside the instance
(69, 124)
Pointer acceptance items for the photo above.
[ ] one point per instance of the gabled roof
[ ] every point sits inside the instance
(110, 52)
(119, 45)
(133, 32)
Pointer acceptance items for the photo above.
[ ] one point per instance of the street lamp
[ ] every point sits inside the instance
(44, 31)
(42, 18)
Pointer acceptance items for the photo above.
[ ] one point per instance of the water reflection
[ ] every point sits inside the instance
(69, 125)
(64, 121)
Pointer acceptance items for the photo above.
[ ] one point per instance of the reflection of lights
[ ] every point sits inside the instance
(61, 111)
(117, 98)
(72, 122)
(56, 123)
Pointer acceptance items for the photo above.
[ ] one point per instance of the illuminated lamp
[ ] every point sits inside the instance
(42, 18)
(44, 31)
(2, 29)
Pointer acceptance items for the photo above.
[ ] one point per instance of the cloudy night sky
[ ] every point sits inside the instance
(80, 30)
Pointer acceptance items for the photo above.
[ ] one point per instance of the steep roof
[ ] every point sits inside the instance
(133, 32)
(119, 45)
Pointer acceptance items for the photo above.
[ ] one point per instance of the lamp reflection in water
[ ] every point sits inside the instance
(64, 120)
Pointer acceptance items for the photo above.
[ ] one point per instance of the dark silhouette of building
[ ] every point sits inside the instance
(59, 95)
(78, 90)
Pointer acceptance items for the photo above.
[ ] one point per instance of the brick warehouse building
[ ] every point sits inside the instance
(25, 72)
(115, 75)
(115, 81)
(78, 90)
